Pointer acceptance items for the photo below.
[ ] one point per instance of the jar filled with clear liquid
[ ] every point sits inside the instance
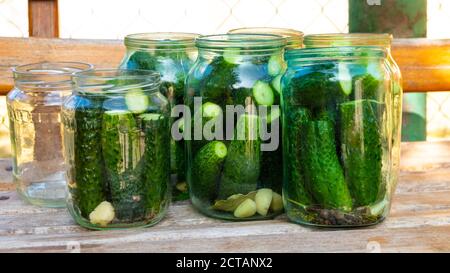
(34, 110)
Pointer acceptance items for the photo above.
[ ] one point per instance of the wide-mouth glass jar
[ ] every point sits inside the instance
(34, 109)
(116, 134)
(371, 39)
(337, 136)
(172, 55)
(293, 37)
(233, 149)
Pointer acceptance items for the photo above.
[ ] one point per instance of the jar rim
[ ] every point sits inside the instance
(293, 36)
(329, 53)
(93, 80)
(249, 41)
(48, 76)
(163, 39)
(51, 68)
(330, 39)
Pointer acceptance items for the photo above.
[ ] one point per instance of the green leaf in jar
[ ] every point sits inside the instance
(233, 201)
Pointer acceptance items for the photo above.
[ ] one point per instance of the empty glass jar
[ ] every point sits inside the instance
(233, 152)
(172, 55)
(34, 109)
(116, 139)
(337, 136)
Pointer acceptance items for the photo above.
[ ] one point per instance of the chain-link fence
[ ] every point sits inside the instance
(103, 19)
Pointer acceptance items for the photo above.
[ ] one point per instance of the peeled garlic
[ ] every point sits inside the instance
(245, 209)
(263, 199)
(102, 215)
(277, 203)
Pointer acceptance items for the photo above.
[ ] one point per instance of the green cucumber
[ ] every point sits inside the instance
(323, 172)
(217, 84)
(276, 83)
(366, 87)
(210, 111)
(295, 183)
(362, 149)
(345, 78)
(232, 55)
(156, 158)
(275, 65)
(273, 114)
(206, 169)
(88, 161)
(121, 153)
(137, 101)
(242, 166)
(263, 94)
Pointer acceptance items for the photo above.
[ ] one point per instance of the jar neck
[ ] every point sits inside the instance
(350, 39)
(308, 56)
(161, 41)
(294, 38)
(112, 82)
(251, 45)
(47, 77)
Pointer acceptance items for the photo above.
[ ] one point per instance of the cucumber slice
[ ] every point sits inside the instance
(211, 110)
(232, 55)
(345, 78)
(276, 83)
(263, 94)
(275, 65)
(137, 101)
(220, 150)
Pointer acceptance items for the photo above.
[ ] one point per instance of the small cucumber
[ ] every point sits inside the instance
(263, 94)
(137, 101)
(206, 169)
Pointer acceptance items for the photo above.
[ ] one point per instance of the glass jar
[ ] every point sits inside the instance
(233, 152)
(116, 134)
(172, 55)
(337, 136)
(372, 39)
(34, 109)
(294, 37)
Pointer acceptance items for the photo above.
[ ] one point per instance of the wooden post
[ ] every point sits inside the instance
(404, 19)
(43, 18)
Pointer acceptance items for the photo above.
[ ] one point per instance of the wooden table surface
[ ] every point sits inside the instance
(419, 222)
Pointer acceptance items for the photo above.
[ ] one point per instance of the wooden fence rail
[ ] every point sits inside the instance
(425, 63)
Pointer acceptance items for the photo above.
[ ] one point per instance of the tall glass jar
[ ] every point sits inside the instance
(172, 55)
(294, 37)
(116, 134)
(337, 136)
(34, 109)
(233, 152)
(372, 39)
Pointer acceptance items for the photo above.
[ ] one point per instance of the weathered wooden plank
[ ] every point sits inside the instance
(419, 222)
(424, 62)
(267, 236)
(43, 18)
(6, 177)
(17, 51)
